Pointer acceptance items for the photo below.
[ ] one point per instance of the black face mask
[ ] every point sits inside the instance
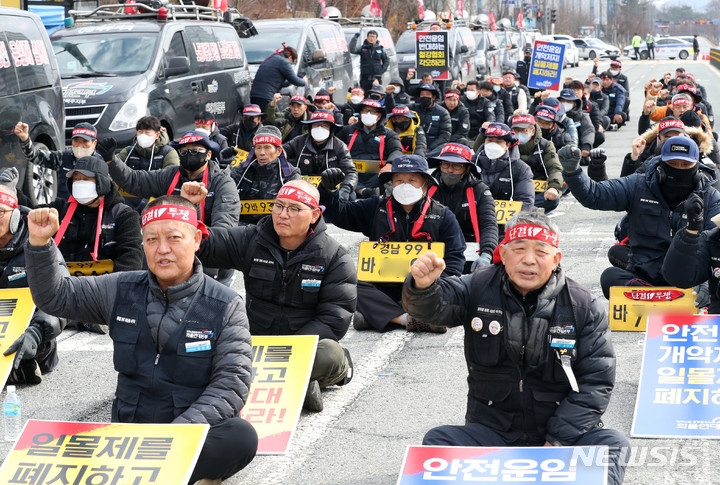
(547, 132)
(401, 126)
(192, 163)
(678, 183)
(527, 59)
(249, 125)
(376, 97)
(425, 102)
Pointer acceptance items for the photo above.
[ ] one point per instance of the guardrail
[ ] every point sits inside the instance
(715, 58)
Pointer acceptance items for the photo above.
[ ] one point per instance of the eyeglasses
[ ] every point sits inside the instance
(2, 212)
(292, 211)
(452, 167)
(191, 151)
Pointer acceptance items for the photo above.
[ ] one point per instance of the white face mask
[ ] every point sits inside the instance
(493, 150)
(319, 133)
(396, 89)
(471, 95)
(80, 152)
(146, 141)
(368, 119)
(569, 106)
(407, 194)
(84, 191)
(201, 130)
(614, 72)
(523, 137)
(356, 99)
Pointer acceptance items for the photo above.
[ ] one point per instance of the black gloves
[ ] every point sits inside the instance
(228, 154)
(693, 209)
(331, 177)
(10, 177)
(597, 155)
(106, 148)
(569, 158)
(25, 347)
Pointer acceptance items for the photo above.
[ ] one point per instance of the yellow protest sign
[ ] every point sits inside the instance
(103, 453)
(240, 157)
(367, 166)
(90, 268)
(125, 194)
(280, 376)
(259, 206)
(390, 262)
(313, 179)
(505, 209)
(16, 310)
(631, 305)
(540, 185)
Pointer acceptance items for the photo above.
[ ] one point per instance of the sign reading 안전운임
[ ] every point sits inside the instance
(546, 66)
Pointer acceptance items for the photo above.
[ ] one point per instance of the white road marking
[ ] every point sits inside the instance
(272, 470)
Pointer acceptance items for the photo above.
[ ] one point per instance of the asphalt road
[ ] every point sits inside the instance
(406, 383)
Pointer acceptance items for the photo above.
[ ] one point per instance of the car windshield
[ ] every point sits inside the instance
(500, 36)
(261, 46)
(121, 54)
(406, 43)
(349, 36)
(480, 38)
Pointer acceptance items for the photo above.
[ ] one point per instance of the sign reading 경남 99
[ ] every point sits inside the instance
(432, 54)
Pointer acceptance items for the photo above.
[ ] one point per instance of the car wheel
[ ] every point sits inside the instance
(40, 184)
(644, 55)
(683, 55)
(592, 55)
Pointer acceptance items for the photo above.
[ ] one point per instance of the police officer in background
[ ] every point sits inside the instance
(373, 59)
(564, 388)
(84, 141)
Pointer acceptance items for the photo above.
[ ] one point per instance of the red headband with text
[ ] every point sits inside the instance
(522, 119)
(8, 200)
(681, 101)
(322, 97)
(675, 125)
(452, 95)
(298, 195)
(267, 140)
(174, 213)
(84, 131)
(526, 231)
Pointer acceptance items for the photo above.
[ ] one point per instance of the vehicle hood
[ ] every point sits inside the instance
(79, 91)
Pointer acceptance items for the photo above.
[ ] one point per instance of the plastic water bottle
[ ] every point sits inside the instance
(12, 412)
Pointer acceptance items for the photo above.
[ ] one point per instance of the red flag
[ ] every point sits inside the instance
(323, 12)
(460, 7)
(520, 20)
(421, 9)
(491, 16)
(375, 8)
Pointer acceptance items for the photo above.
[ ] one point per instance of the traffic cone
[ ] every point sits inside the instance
(706, 57)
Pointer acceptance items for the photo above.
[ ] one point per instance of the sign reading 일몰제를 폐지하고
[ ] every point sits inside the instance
(546, 66)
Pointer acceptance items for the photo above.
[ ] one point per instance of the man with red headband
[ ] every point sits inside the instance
(459, 117)
(181, 340)
(537, 346)
(319, 293)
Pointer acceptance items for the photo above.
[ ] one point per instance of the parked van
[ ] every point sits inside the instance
(364, 25)
(119, 67)
(321, 46)
(31, 92)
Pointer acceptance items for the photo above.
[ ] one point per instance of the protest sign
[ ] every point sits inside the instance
(546, 66)
(631, 305)
(431, 54)
(16, 311)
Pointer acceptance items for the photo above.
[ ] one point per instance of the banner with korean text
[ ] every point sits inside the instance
(680, 378)
(546, 66)
(432, 54)
(16, 311)
(56, 452)
(471, 465)
(280, 376)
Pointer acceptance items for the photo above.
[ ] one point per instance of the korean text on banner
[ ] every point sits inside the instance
(469, 465)
(16, 310)
(390, 262)
(431, 54)
(546, 66)
(631, 305)
(72, 452)
(280, 376)
(679, 379)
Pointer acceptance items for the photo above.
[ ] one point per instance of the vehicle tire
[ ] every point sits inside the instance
(577, 63)
(644, 55)
(683, 55)
(40, 184)
(592, 55)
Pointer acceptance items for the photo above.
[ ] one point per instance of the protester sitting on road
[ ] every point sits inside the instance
(379, 94)
(84, 141)
(459, 117)
(264, 171)
(406, 124)
(290, 121)
(434, 119)
(220, 209)
(546, 118)
(581, 119)
(680, 103)
(589, 106)
(654, 203)
(95, 223)
(408, 214)
(616, 95)
(36, 349)
(352, 108)
(274, 73)
(481, 110)
(519, 93)
(485, 89)
(601, 100)
(154, 316)
(151, 148)
(564, 389)
(565, 123)
(398, 91)
(461, 190)
(540, 155)
(240, 135)
(501, 169)
(323, 100)
(504, 96)
(321, 149)
(320, 293)
(205, 122)
(367, 138)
